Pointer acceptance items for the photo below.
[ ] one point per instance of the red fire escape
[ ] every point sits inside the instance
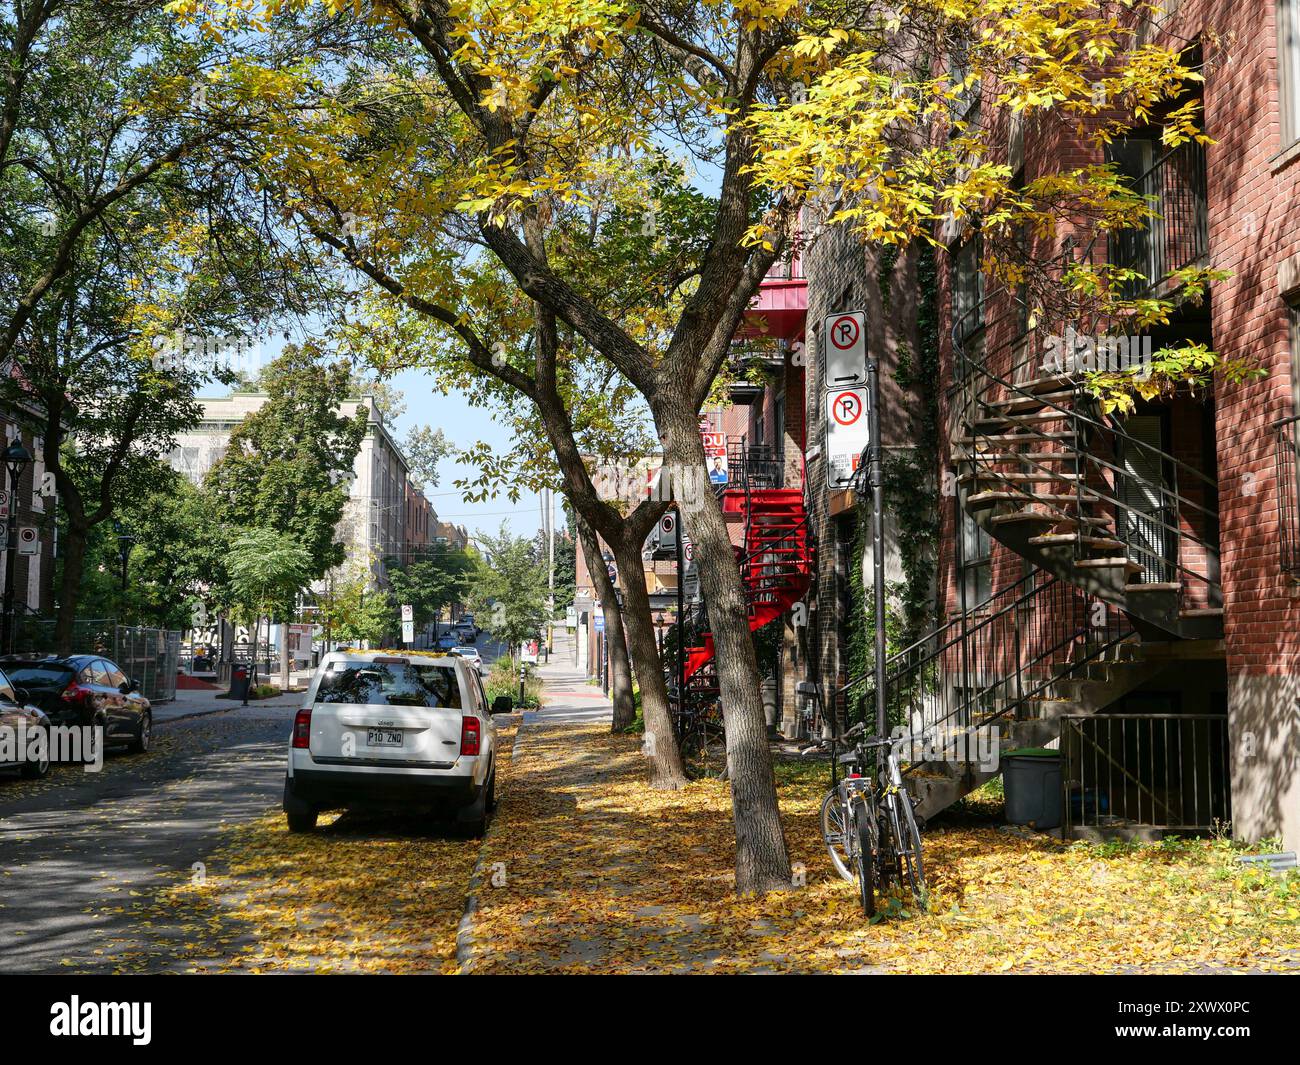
(776, 565)
(776, 554)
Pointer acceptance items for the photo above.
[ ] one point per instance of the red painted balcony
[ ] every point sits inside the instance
(781, 306)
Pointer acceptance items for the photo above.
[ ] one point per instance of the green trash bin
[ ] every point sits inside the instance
(1031, 777)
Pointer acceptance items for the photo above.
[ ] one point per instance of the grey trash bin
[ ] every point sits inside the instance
(1032, 780)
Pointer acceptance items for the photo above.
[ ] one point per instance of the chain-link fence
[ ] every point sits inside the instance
(149, 656)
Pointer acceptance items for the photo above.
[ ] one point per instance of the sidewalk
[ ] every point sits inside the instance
(586, 869)
(191, 703)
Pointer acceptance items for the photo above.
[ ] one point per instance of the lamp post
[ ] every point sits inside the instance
(17, 459)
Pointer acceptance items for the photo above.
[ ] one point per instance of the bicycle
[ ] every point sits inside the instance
(869, 825)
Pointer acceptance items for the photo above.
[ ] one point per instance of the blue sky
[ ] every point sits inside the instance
(464, 424)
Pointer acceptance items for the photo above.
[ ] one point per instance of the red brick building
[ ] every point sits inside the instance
(1131, 584)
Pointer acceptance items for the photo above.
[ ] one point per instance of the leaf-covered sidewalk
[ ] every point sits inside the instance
(589, 870)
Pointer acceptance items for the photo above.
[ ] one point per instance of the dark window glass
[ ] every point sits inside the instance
(40, 676)
(390, 684)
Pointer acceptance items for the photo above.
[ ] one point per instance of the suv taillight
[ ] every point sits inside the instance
(469, 735)
(302, 729)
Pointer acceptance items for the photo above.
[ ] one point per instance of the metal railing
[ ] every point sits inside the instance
(1286, 435)
(1177, 234)
(752, 466)
(1165, 771)
(985, 667)
(149, 656)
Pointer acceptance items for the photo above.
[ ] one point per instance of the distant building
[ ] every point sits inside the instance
(386, 516)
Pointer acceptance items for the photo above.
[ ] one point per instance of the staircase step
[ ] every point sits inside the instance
(1030, 403)
(1202, 612)
(1156, 587)
(1046, 383)
(981, 499)
(994, 420)
(1108, 563)
(1014, 456)
(1049, 519)
(1044, 478)
(1097, 543)
(1011, 438)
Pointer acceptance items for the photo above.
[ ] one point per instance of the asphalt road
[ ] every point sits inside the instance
(78, 850)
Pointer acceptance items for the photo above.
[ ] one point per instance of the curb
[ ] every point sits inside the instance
(465, 946)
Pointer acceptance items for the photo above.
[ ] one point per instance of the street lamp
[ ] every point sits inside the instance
(17, 459)
(124, 541)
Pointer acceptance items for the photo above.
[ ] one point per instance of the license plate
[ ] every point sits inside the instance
(384, 737)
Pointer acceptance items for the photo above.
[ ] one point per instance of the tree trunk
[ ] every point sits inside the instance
(762, 862)
(284, 656)
(252, 660)
(666, 769)
(74, 561)
(620, 668)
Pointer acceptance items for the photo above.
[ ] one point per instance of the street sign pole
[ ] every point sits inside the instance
(876, 479)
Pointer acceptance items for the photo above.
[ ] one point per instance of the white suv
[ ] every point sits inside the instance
(393, 730)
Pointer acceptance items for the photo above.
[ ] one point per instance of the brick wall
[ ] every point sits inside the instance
(1254, 235)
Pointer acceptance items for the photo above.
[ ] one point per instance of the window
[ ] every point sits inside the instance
(7, 693)
(1288, 61)
(967, 289)
(101, 674)
(390, 683)
(115, 676)
(976, 559)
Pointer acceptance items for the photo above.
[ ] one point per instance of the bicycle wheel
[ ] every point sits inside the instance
(865, 827)
(840, 841)
(908, 845)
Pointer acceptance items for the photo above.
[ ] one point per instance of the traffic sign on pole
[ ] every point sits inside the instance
(848, 432)
(844, 339)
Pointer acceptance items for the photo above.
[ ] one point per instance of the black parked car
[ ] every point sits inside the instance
(84, 690)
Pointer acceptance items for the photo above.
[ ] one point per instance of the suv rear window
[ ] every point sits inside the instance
(390, 684)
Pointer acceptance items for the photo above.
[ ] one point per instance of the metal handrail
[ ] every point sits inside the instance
(916, 670)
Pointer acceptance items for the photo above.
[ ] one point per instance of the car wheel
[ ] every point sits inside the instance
(472, 820)
(95, 738)
(143, 735)
(300, 814)
(36, 770)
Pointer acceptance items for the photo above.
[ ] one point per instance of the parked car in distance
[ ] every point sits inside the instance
(465, 633)
(471, 655)
(393, 731)
(18, 714)
(447, 641)
(85, 690)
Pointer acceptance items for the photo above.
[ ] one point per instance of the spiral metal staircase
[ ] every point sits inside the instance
(1121, 541)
